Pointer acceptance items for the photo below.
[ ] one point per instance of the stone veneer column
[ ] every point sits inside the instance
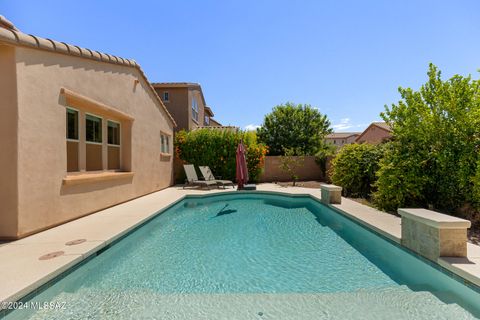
(331, 194)
(432, 234)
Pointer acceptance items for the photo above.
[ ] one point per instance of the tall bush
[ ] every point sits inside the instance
(354, 168)
(295, 127)
(433, 159)
(217, 149)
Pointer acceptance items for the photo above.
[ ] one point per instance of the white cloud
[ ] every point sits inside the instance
(345, 124)
(251, 127)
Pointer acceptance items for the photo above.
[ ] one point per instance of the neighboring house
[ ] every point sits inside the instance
(375, 133)
(186, 103)
(341, 138)
(80, 131)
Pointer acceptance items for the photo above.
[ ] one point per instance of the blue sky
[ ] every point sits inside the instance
(345, 57)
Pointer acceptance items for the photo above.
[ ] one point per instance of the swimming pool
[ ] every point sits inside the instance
(254, 256)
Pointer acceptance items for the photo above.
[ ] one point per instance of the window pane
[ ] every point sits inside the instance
(72, 124)
(93, 128)
(113, 133)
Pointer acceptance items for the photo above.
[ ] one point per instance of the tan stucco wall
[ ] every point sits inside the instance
(177, 105)
(272, 172)
(43, 199)
(374, 135)
(8, 142)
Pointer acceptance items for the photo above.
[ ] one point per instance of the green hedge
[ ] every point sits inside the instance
(434, 156)
(354, 168)
(217, 149)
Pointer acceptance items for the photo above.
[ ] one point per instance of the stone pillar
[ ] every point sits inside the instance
(331, 194)
(432, 234)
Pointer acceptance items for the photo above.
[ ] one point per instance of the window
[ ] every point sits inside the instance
(207, 120)
(72, 124)
(164, 143)
(93, 137)
(194, 109)
(113, 139)
(166, 96)
(113, 133)
(72, 139)
(93, 128)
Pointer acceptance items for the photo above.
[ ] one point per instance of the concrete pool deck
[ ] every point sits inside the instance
(22, 271)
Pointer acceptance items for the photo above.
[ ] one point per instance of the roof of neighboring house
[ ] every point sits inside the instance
(10, 34)
(217, 127)
(215, 122)
(381, 125)
(341, 135)
(190, 85)
(209, 111)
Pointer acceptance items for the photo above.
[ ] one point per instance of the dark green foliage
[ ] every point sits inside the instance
(298, 127)
(217, 149)
(433, 158)
(354, 168)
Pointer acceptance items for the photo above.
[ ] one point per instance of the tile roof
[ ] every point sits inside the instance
(339, 135)
(175, 84)
(10, 34)
(382, 125)
(217, 127)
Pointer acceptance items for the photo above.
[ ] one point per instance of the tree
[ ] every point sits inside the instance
(298, 127)
(433, 157)
(290, 162)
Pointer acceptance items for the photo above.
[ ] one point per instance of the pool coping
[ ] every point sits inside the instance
(22, 277)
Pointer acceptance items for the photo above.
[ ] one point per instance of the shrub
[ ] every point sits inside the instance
(325, 152)
(290, 126)
(433, 160)
(354, 168)
(290, 163)
(217, 149)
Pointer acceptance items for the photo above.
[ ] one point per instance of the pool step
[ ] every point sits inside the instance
(388, 303)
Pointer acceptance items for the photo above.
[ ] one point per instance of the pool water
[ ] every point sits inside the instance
(255, 256)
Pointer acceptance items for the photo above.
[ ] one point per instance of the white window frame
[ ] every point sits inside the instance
(119, 135)
(167, 95)
(164, 135)
(195, 109)
(78, 124)
(103, 134)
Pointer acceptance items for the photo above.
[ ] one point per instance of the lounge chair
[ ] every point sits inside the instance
(192, 178)
(208, 175)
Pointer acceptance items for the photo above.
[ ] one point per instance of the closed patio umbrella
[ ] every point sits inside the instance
(242, 171)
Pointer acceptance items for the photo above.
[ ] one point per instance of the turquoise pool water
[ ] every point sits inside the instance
(254, 256)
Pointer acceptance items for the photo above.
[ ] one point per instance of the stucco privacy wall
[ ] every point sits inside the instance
(308, 170)
(8, 141)
(43, 199)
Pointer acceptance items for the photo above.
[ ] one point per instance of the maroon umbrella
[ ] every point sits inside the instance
(242, 172)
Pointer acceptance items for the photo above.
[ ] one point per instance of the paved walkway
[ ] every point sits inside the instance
(22, 271)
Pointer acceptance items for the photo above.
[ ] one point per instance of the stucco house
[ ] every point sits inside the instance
(186, 103)
(341, 138)
(375, 133)
(80, 131)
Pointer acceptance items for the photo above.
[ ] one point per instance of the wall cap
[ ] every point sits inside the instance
(73, 179)
(330, 187)
(434, 219)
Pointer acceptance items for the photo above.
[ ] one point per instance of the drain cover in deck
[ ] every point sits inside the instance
(51, 255)
(75, 242)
